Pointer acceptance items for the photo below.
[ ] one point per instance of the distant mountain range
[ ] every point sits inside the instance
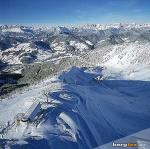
(25, 45)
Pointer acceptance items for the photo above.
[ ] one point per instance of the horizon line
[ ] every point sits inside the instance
(75, 24)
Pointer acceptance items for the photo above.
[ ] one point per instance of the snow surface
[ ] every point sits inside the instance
(88, 107)
(85, 113)
(15, 55)
(141, 138)
(15, 29)
(80, 46)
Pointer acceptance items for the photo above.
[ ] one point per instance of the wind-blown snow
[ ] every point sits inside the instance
(85, 113)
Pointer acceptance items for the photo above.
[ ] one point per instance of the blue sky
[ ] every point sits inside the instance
(64, 12)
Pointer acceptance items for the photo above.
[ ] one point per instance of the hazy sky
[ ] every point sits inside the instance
(73, 11)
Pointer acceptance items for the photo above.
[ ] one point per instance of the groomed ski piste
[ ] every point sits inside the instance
(86, 107)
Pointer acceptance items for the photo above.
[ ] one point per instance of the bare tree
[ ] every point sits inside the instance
(45, 93)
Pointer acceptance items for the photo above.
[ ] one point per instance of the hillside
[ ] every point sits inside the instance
(91, 83)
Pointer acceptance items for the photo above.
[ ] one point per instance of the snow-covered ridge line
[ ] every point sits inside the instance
(43, 43)
(115, 25)
(85, 26)
(85, 109)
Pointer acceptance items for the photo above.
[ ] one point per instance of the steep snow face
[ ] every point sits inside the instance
(85, 113)
(80, 76)
(120, 56)
(126, 55)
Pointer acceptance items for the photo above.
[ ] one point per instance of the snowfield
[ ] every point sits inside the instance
(84, 112)
(95, 90)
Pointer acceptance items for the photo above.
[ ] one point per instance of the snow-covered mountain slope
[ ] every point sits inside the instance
(26, 53)
(84, 111)
(36, 45)
(68, 41)
(121, 56)
(105, 98)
